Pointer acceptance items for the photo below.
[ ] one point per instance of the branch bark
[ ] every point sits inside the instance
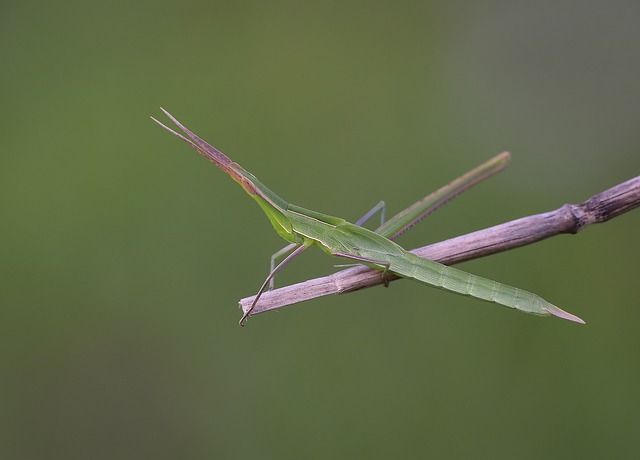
(570, 218)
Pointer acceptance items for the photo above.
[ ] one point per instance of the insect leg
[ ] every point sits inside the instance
(378, 207)
(277, 255)
(287, 259)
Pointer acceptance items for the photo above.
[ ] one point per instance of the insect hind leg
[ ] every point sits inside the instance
(385, 264)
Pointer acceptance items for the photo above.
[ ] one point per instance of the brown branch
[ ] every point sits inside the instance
(570, 218)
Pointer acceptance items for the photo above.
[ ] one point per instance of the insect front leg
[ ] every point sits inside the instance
(289, 258)
(287, 249)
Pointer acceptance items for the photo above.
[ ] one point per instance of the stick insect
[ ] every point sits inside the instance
(303, 228)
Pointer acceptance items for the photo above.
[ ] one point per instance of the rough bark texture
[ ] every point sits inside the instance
(570, 218)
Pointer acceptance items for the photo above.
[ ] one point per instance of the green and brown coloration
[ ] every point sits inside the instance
(304, 228)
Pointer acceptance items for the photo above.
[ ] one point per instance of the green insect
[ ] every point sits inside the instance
(303, 228)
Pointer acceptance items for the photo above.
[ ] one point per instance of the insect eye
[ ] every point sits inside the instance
(248, 185)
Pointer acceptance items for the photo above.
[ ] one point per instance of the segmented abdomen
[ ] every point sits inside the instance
(452, 279)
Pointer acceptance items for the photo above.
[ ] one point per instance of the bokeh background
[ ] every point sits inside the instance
(123, 253)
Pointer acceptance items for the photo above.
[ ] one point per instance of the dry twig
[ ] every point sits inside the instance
(570, 218)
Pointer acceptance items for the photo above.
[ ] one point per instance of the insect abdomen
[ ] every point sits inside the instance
(454, 280)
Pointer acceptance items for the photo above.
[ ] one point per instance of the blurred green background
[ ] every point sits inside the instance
(123, 253)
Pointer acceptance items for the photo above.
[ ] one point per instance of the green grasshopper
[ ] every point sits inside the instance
(303, 228)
